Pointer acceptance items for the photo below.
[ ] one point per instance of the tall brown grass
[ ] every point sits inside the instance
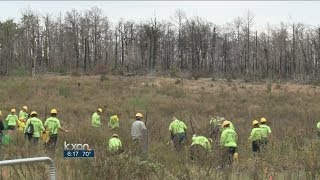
(291, 111)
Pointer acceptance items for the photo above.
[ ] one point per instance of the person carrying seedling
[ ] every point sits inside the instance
(177, 130)
(34, 127)
(255, 137)
(115, 145)
(266, 132)
(114, 122)
(23, 116)
(228, 141)
(139, 136)
(12, 120)
(96, 118)
(52, 125)
(200, 147)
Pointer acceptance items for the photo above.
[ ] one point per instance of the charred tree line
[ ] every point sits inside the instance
(86, 42)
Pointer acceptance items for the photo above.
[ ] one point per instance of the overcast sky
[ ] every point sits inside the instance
(218, 12)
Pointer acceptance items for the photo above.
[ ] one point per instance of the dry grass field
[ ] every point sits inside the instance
(291, 109)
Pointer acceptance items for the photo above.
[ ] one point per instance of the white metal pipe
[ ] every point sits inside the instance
(48, 160)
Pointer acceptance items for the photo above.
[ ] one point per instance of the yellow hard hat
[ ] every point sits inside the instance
(53, 111)
(226, 122)
(25, 108)
(263, 120)
(138, 115)
(33, 113)
(13, 110)
(100, 110)
(115, 135)
(255, 122)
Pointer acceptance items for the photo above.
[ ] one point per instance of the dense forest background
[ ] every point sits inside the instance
(88, 43)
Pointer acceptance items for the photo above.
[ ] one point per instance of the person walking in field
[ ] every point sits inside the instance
(96, 118)
(215, 125)
(52, 125)
(200, 147)
(139, 136)
(266, 132)
(12, 120)
(34, 128)
(114, 122)
(255, 137)
(177, 130)
(228, 141)
(222, 119)
(23, 117)
(115, 145)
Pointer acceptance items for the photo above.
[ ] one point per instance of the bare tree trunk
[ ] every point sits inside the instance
(116, 51)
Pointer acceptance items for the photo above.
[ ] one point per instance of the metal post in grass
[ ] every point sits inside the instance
(48, 160)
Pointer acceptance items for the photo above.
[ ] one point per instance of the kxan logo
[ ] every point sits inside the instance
(75, 147)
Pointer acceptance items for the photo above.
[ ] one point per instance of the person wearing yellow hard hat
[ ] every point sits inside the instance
(222, 119)
(266, 131)
(255, 137)
(34, 127)
(228, 141)
(115, 145)
(138, 128)
(96, 118)
(114, 122)
(178, 130)
(23, 117)
(52, 126)
(12, 120)
(139, 136)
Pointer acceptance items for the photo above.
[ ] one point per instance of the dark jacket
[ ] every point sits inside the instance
(1, 127)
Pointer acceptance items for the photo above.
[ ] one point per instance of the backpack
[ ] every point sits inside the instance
(30, 129)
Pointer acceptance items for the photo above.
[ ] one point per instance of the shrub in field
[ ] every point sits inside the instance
(75, 74)
(19, 72)
(178, 81)
(62, 71)
(316, 82)
(100, 69)
(171, 90)
(64, 91)
(138, 102)
(269, 87)
(102, 77)
(174, 71)
(277, 86)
